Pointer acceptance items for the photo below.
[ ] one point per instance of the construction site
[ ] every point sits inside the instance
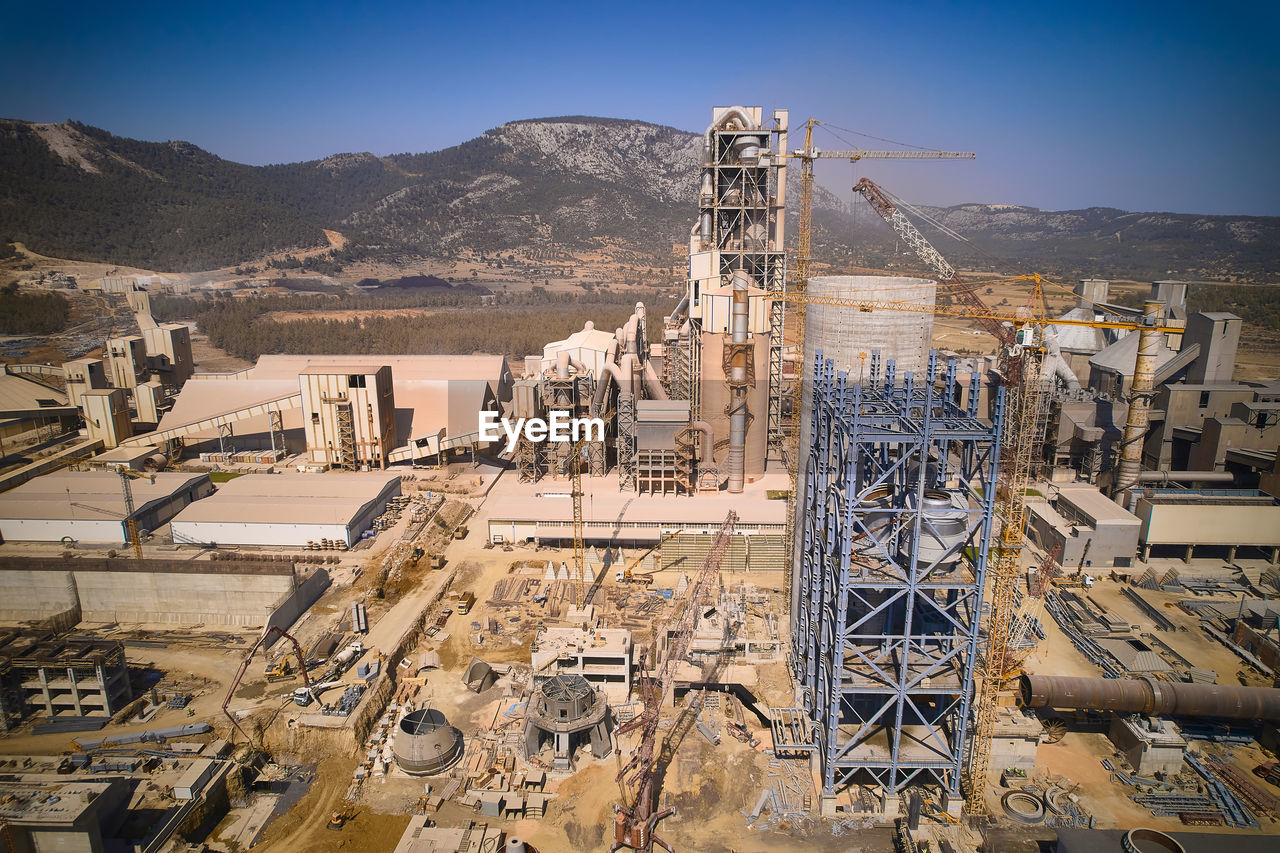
(819, 581)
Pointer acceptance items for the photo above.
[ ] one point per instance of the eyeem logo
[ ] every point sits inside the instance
(561, 428)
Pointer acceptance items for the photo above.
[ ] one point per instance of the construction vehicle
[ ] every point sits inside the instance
(636, 817)
(244, 667)
(1020, 358)
(279, 670)
(628, 576)
(465, 602)
(339, 818)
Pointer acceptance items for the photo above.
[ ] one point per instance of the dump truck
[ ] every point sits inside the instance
(465, 602)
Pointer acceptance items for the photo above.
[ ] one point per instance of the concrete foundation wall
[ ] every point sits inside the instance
(35, 595)
(212, 599)
(208, 593)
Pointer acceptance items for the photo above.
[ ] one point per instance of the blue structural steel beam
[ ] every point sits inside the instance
(886, 637)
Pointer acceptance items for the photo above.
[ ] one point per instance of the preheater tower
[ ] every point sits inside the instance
(740, 231)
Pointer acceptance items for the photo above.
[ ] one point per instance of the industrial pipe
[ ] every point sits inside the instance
(681, 307)
(1186, 477)
(1054, 358)
(744, 121)
(706, 454)
(738, 386)
(1135, 428)
(653, 384)
(1149, 696)
(562, 364)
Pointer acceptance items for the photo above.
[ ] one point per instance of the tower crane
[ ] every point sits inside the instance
(634, 821)
(800, 283)
(1021, 357)
(130, 523)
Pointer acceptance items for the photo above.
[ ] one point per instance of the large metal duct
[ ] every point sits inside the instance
(1149, 696)
(847, 336)
(737, 379)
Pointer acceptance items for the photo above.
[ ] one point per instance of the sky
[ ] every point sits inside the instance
(1142, 106)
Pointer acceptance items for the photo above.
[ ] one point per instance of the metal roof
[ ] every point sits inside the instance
(88, 495)
(334, 497)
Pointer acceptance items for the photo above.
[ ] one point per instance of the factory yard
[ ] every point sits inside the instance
(851, 583)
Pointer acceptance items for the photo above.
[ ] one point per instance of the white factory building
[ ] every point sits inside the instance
(288, 509)
(89, 506)
(341, 410)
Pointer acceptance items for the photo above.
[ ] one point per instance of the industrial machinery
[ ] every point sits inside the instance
(634, 821)
(280, 670)
(1149, 696)
(244, 667)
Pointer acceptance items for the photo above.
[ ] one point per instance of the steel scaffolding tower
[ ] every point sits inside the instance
(897, 520)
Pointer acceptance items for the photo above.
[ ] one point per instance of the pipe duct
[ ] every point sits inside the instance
(1148, 696)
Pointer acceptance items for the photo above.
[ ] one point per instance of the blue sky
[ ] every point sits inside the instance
(1143, 106)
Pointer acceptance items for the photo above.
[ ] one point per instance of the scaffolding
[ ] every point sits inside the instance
(897, 517)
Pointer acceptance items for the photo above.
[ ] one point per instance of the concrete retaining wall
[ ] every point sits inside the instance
(167, 591)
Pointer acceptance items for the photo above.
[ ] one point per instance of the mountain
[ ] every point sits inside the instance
(570, 184)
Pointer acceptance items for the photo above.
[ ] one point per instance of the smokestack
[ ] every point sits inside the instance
(737, 379)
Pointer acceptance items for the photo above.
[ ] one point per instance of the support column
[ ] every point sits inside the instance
(1187, 557)
(1231, 554)
(75, 691)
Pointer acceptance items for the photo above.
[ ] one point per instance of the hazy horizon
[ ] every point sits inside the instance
(1146, 107)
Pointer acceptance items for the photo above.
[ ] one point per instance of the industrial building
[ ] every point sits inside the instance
(89, 506)
(1078, 517)
(54, 813)
(338, 412)
(288, 509)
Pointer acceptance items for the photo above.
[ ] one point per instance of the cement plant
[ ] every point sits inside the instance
(791, 561)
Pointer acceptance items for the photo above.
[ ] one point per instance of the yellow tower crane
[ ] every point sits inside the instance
(799, 284)
(130, 523)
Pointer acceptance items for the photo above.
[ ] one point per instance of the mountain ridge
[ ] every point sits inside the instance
(560, 184)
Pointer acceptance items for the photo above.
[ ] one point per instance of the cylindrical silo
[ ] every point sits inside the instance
(847, 335)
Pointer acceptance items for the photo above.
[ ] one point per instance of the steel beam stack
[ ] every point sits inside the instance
(886, 634)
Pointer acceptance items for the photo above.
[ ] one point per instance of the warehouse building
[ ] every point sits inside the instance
(89, 506)
(340, 412)
(288, 509)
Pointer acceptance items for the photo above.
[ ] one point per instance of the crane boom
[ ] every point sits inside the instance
(634, 824)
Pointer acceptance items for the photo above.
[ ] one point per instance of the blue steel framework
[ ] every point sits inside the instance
(885, 640)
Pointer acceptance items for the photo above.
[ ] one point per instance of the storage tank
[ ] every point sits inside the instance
(847, 336)
(426, 744)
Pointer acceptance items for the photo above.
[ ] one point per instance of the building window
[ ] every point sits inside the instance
(355, 381)
(1204, 399)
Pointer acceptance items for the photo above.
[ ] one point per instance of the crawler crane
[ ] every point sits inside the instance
(635, 821)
